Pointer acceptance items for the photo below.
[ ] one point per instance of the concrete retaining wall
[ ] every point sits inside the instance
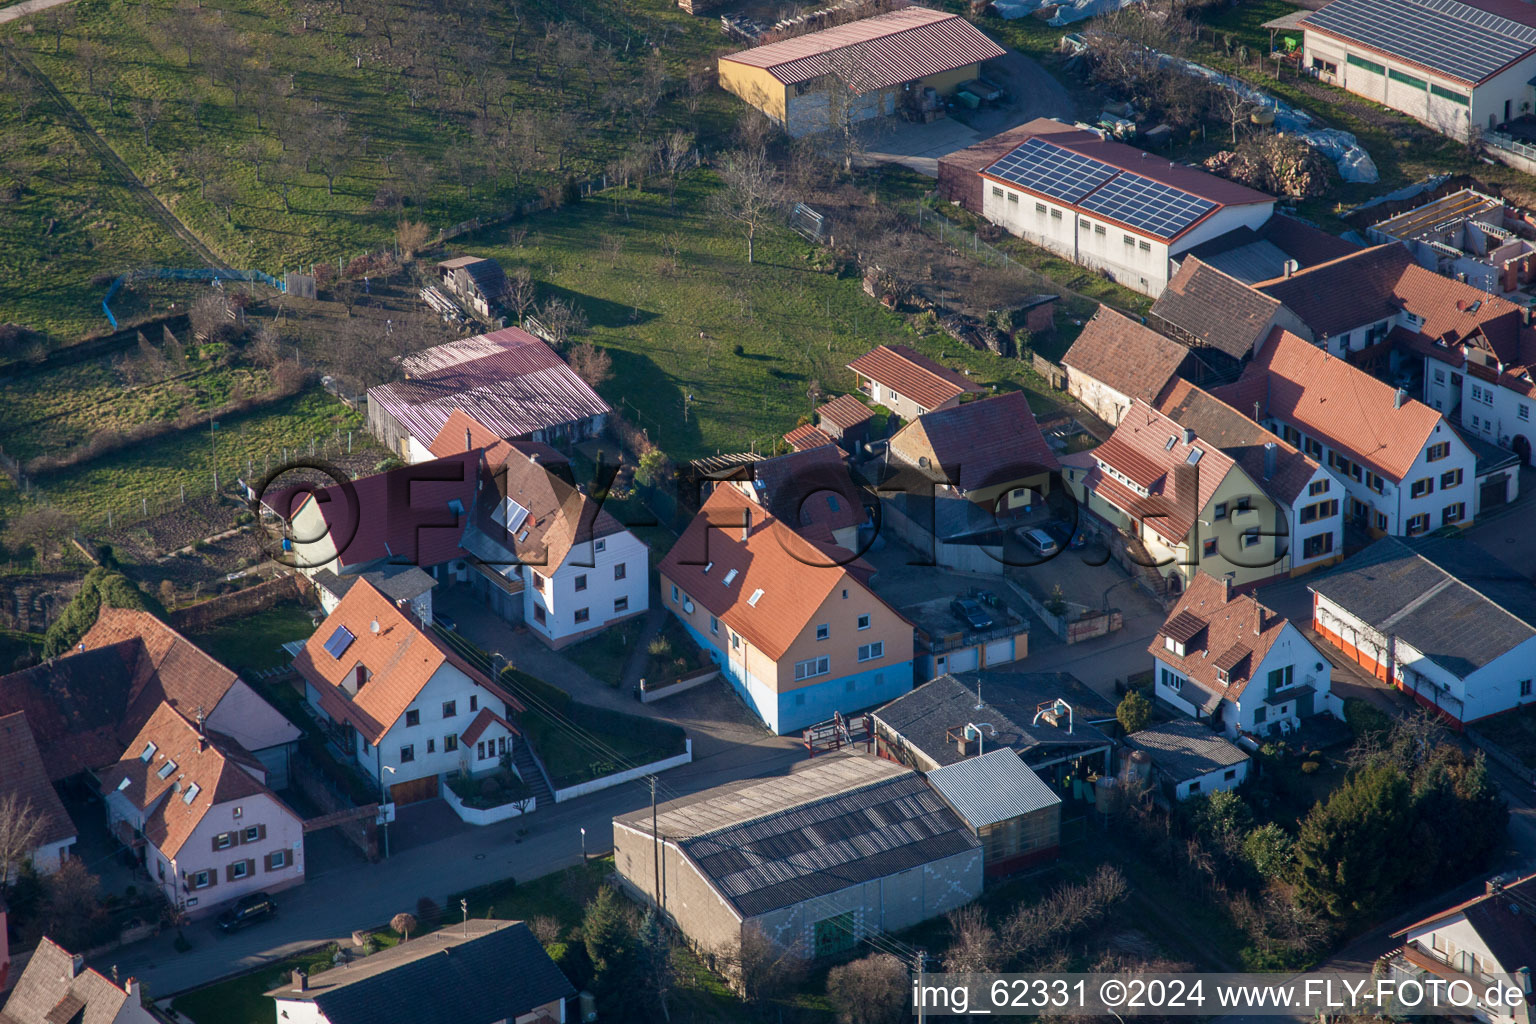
(619, 778)
(486, 815)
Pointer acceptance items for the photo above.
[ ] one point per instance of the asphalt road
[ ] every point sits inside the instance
(330, 906)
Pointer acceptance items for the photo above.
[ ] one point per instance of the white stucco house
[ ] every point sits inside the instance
(1225, 658)
(407, 707)
(1190, 760)
(24, 779)
(195, 804)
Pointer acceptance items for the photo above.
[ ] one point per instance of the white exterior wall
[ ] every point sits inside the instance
(560, 599)
(1456, 943)
(1220, 779)
(1100, 399)
(49, 858)
(299, 1011)
(1487, 100)
(1394, 501)
(1301, 532)
(1494, 413)
(448, 683)
(1076, 235)
(1291, 648)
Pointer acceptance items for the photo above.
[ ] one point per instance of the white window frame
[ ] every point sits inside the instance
(813, 668)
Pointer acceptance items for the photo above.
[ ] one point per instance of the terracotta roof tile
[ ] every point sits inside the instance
(551, 515)
(1220, 632)
(1340, 404)
(23, 776)
(1123, 354)
(1215, 309)
(49, 982)
(182, 758)
(807, 436)
(979, 444)
(1240, 437)
(900, 46)
(1343, 293)
(1151, 450)
(845, 412)
(910, 373)
(461, 432)
(399, 657)
(483, 721)
(809, 487)
(173, 669)
(794, 574)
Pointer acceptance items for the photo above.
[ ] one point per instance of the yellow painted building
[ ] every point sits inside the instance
(853, 72)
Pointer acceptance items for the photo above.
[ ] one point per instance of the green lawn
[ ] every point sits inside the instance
(562, 895)
(72, 223)
(603, 657)
(53, 411)
(154, 471)
(240, 1000)
(254, 643)
(672, 324)
(463, 114)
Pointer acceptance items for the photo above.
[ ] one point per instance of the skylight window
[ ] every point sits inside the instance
(522, 536)
(1171, 442)
(730, 577)
(149, 752)
(340, 640)
(122, 785)
(166, 769)
(1194, 456)
(191, 794)
(756, 596)
(708, 566)
(515, 515)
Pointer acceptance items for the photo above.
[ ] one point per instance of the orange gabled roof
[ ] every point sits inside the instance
(1336, 402)
(183, 756)
(807, 436)
(399, 657)
(1234, 634)
(910, 373)
(462, 433)
(794, 574)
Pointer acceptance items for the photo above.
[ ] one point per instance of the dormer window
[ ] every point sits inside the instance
(360, 676)
(1222, 676)
(1176, 646)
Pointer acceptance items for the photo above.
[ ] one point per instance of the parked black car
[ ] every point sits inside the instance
(971, 613)
(248, 909)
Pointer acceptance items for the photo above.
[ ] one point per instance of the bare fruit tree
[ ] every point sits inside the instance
(753, 192)
(21, 829)
(521, 294)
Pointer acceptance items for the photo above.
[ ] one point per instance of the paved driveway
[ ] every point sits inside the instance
(1033, 93)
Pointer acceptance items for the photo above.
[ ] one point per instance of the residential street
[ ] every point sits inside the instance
(330, 906)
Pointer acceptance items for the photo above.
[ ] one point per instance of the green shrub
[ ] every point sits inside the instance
(101, 586)
(1309, 767)
(1364, 718)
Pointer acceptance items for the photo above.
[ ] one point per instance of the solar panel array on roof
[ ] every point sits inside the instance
(340, 640)
(1452, 38)
(1050, 170)
(1146, 204)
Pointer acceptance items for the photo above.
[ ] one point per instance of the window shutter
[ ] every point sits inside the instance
(215, 844)
(237, 837)
(250, 868)
(261, 832)
(266, 862)
(213, 877)
(229, 872)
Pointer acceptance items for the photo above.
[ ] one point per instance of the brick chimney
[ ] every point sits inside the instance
(300, 981)
(131, 987)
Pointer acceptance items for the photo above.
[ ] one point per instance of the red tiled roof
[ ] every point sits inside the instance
(807, 436)
(462, 432)
(979, 444)
(172, 669)
(482, 722)
(1240, 437)
(794, 574)
(1326, 397)
(392, 510)
(887, 49)
(1220, 632)
(559, 516)
(183, 757)
(1343, 293)
(809, 488)
(1140, 448)
(399, 658)
(508, 380)
(23, 777)
(1121, 353)
(913, 374)
(845, 412)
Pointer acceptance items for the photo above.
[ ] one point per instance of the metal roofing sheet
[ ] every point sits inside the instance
(997, 786)
(1455, 39)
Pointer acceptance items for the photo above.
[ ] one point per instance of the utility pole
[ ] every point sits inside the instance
(464, 909)
(213, 439)
(655, 845)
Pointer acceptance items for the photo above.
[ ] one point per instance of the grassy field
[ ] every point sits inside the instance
(241, 1000)
(153, 472)
(254, 643)
(57, 410)
(670, 295)
(262, 91)
(72, 227)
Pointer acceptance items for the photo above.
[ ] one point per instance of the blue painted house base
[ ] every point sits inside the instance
(817, 702)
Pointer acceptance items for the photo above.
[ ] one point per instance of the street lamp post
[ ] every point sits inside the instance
(583, 846)
(384, 799)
